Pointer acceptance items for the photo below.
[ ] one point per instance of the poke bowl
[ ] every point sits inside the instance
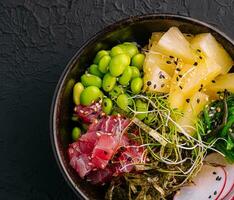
(145, 110)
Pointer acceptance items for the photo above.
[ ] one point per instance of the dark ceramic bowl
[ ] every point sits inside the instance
(136, 29)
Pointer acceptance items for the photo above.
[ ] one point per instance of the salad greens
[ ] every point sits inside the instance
(144, 119)
(218, 123)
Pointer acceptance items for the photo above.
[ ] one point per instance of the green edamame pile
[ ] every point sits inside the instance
(113, 77)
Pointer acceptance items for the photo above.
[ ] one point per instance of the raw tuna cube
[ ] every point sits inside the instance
(104, 150)
(81, 164)
(100, 176)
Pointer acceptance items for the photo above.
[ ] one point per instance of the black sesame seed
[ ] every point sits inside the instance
(198, 50)
(200, 57)
(200, 90)
(180, 75)
(171, 56)
(198, 101)
(218, 178)
(163, 85)
(175, 62)
(177, 78)
(168, 62)
(189, 35)
(155, 86)
(161, 75)
(215, 192)
(187, 100)
(214, 173)
(209, 197)
(195, 64)
(180, 87)
(213, 81)
(201, 85)
(178, 69)
(149, 83)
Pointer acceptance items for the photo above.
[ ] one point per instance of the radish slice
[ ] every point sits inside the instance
(230, 195)
(218, 159)
(208, 184)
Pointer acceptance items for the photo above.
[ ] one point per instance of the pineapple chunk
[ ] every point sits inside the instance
(193, 79)
(193, 107)
(156, 36)
(155, 79)
(181, 71)
(212, 49)
(199, 77)
(173, 43)
(163, 62)
(221, 83)
(176, 100)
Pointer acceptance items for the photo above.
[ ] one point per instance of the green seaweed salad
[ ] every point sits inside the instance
(146, 117)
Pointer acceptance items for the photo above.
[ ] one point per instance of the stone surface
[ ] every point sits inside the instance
(37, 39)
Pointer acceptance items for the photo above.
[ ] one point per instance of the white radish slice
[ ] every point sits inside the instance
(204, 186)
(218, 159)
(230, 195)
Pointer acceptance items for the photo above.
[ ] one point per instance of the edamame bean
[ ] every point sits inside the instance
(116, 50)
(77, 89)
(126, 76)
(136, 85)
(135, 72)
(90, 95)
(99, 55)
(130, 48)
(122, 102)
(91, 80)
(108, 82)
(103, 64)
(138, 60)
(116, 91)
(107, 106)
(76, 132)
(141, 107)
(93, 69)
(118, 64)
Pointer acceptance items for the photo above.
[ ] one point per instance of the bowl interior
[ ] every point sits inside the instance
(137, 29)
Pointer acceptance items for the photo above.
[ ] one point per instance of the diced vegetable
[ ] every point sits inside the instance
(156, 80)
(216, 158)
(196, 79)
(220, 84)
(163, 62)
(173, 43)
(205, 185)
(192, 108)
(155, 37)
(214, 50)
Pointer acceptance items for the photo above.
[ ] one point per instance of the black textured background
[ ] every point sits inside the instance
(37, 39)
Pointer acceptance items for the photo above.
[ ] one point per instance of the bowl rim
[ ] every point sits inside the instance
(108, 28)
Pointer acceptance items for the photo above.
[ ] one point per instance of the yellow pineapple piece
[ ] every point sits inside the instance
(213, 50)
(221, 83)
(173, 43)
(191, 79)
(193, 107)
(155, 79)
